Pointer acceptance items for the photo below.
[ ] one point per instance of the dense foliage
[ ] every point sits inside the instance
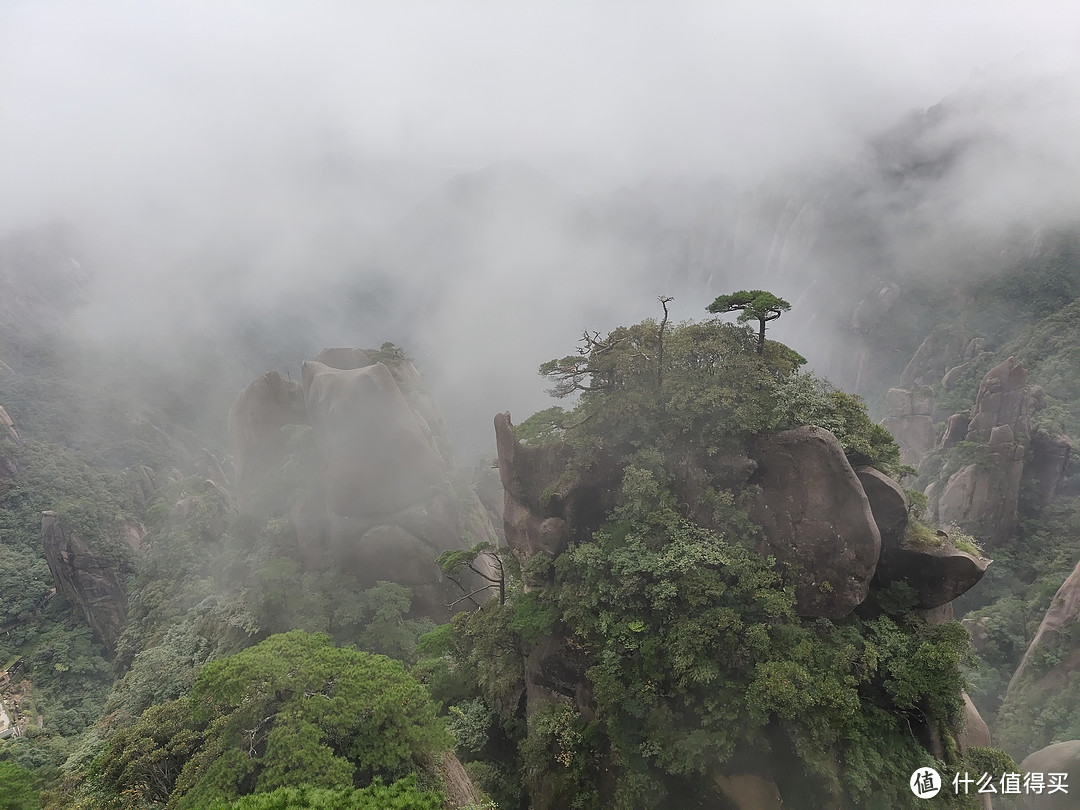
(291, 711)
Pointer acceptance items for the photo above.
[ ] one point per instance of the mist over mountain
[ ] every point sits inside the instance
(267, 275)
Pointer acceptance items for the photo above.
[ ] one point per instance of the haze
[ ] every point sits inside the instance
(227, 162)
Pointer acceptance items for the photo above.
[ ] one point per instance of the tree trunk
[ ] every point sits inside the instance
(761, 338)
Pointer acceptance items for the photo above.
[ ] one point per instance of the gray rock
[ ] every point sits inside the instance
(255, 438)
(1062, 757)
(86, 580)
(815, 515)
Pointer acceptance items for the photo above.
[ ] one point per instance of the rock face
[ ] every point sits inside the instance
(8, 438)
(816, 515)
(910, 420)
(255, 421)
(1061, 758)
(1063, 613)
(888, 504)
(982, 496)
(378, 500)
(1046, 463)
(976, 734)
(379, 460)
(942, 350)
(938, 575)
(85, 580)
(542, 512)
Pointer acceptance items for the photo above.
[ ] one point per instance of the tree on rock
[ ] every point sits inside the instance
(756, 305)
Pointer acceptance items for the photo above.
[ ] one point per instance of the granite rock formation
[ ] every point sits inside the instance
(1061, 758)
(910, 420)
(9, 437)
(981, 496)
(377, 496)
(815, 514)
(1063, 613)
(543, 510)
(85, 579)
(255, 437)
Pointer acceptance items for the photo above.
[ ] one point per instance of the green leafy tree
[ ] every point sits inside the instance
(401, 795)
(293, 710)
(755, 305)
(17, 788)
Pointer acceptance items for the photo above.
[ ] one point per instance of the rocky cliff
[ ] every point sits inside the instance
(86, 580)
(377, 494)
(9, 438)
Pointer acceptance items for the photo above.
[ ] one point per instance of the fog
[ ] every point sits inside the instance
(479, 181)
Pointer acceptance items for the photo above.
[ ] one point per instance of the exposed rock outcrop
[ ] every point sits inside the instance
(942, 350)
(1062, 614)
(888, 504)
(815, 514)
(543, 510)
(85, 579)
(378, 499)
(378, 459)
(909, 419)
(9, 437)
(938, 574)
(1047, 460)
(976, 734)
(255, 421)
(1059, 758)
(982, 496)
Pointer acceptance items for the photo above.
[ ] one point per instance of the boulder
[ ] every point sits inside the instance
(85, 579)
(816, 516)
(409, 381)
(1059, 758)
(888, 503)
(378, 458)
(956, 430)
(255, 437)
(938, 574)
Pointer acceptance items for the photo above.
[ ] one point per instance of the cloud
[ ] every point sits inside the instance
(226, 159)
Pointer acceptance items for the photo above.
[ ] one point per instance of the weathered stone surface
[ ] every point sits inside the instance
(940, 351)
(542, 511)
(1046, 464)
(975, 734)
(816, 515)
(956, 430)
(1003, 399)
(1063, 612)
(888, 503)
(9, 437)
(1062, 757)
(85, 580)
(255, 421)
(378, 458)
(910, 422)
(981, 497)
(938, 575)
(412, 388)
(457, 787)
